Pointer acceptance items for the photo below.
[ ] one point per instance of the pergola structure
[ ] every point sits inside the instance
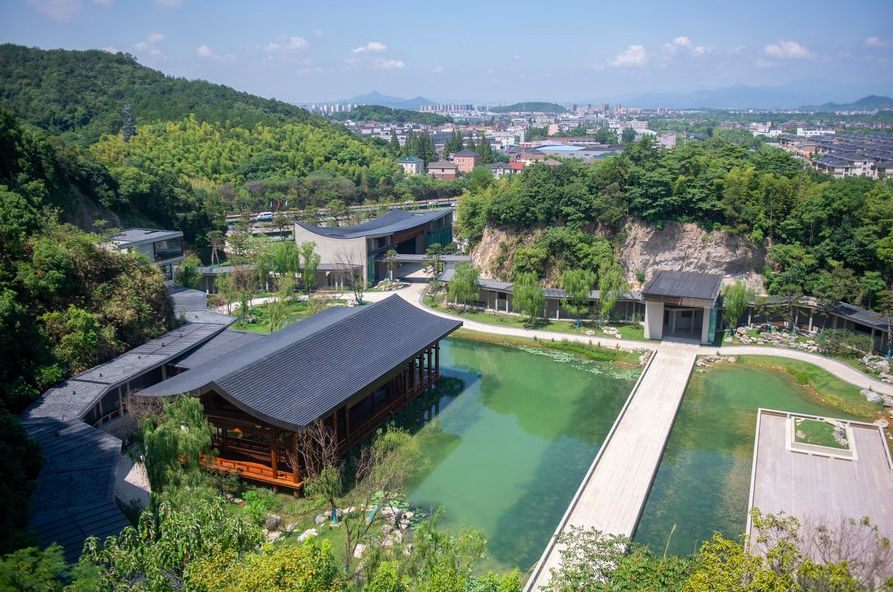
(350, 368)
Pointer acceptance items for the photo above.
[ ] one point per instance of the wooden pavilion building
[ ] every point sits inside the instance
(352, 368)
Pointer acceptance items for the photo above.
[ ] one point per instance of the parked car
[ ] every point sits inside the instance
(264, 217)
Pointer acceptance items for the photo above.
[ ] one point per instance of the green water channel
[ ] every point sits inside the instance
(508, 453)
(703, 483)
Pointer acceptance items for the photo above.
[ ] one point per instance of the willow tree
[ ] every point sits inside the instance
(528, 297)
(611, 284)
(464, 286)
(309, 264)
(173, 443)
(736, 297)
(577, 284)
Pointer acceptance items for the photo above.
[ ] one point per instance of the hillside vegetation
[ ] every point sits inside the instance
(388, 115)
(829, 237)
(79, 95)
(66, 303)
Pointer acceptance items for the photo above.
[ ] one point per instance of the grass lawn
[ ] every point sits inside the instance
(635, 332)
(817, 433)
(259, 317)
(834, 391)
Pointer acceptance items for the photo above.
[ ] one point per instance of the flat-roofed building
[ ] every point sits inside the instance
(164, 248)
(352, 250)
(682, 304)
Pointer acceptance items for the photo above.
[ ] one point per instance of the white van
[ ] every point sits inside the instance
(264, 217)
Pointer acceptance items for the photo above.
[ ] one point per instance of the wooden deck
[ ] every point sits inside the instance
(254, 472)
(614, 491)
(816, 485)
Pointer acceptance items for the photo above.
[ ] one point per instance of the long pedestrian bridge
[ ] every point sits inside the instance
(615, 488)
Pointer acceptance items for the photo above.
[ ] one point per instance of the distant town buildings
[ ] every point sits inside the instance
(465, 160)
(412, 165)
(844, 155)
(443, 169)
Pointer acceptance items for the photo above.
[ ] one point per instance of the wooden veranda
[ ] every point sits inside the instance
(260, 451)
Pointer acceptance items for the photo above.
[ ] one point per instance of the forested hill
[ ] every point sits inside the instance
(388, 115)
(79, 95)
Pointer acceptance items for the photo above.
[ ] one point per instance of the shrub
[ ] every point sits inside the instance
(845, 343)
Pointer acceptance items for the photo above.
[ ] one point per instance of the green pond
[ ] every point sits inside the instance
(703, 483)
(509, 451)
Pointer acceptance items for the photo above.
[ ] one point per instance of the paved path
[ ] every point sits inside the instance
(842, 371)
(614, 491)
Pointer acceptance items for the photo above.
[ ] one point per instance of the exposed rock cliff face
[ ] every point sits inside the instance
(679, 247)
(687, 247)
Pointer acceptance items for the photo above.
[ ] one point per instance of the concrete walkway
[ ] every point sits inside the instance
(845, 372)
(615, 489)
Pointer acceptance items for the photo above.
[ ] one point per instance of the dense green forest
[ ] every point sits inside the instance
(66, 303)
(530, 107)
(80, 95)
(388, 115)
(827, 237)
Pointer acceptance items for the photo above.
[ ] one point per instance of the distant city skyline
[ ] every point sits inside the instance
(525, 50)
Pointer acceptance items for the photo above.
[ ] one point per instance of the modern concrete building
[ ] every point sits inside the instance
(162, 247)
(682, 304)
(352, 250)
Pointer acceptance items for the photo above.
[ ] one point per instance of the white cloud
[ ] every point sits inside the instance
(389, 64)
(168, 3)
(286, 44)
(372, 46)
(58, 10)
(318, 34)
(683, 42)
(105, 3)
(875, 41)
(633, 56)
(438, 70)
(787, 49)
(110, 49)
(149, 45)
(204, 51)
(516, 57)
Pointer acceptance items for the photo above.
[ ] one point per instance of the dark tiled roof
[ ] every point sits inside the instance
(684, 284)
(224, 343)
(74, 498)
(861, 315)
(394, 221)
(305, 371)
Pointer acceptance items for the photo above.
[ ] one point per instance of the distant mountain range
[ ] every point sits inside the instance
(793, 95)
(869, 103)
(376, 98)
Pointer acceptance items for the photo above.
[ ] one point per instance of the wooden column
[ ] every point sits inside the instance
(430, 355)
(274, 452)
(347, 425)
(437, 359)
(295, 470)
(335, 426)
(421, 373)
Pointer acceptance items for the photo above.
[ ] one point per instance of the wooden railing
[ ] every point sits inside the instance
(253, 471)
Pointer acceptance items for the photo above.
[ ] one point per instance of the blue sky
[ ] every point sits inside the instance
(472, 51)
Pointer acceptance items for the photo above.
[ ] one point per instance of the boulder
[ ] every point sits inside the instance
(310, 532)
(359, 551)
(321, 518)
(272, 522)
